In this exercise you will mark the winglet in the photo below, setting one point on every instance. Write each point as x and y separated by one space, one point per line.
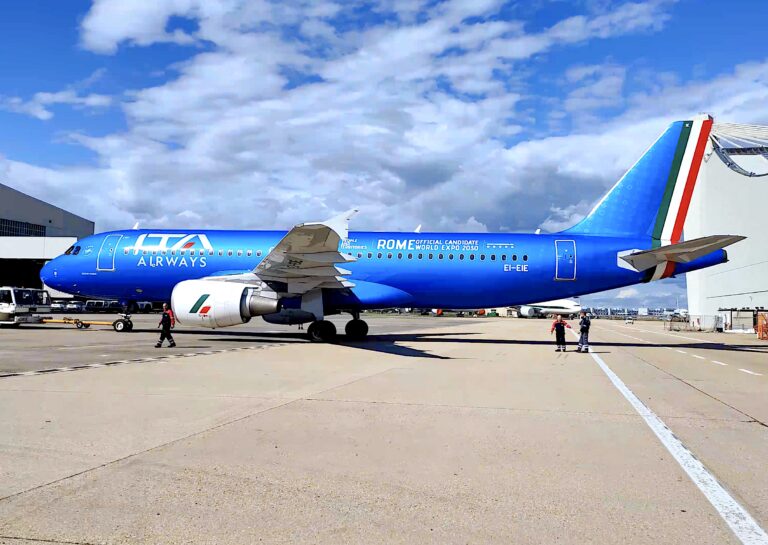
339 224
135 226
418 229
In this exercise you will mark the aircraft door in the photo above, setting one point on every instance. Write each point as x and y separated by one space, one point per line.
565 264
106 259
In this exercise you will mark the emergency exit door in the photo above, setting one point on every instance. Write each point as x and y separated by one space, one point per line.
565 264
106 259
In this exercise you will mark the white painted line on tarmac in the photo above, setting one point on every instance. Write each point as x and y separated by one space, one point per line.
698 357
738 519
681 351
719 362
750 372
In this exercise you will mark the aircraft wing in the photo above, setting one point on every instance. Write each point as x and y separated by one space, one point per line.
682 252
306 257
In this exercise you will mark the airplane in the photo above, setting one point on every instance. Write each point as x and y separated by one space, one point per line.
217 278
566 307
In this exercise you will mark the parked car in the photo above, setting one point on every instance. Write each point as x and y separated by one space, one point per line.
74 306
113 306
58 306
629 320
94 305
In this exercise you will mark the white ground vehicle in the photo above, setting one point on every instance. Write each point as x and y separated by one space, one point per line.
22 305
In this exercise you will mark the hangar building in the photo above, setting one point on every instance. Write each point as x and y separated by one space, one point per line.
31 233
730 199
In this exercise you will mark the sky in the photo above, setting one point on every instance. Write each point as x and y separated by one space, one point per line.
465 115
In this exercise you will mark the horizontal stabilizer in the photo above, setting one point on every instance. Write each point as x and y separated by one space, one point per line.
683 252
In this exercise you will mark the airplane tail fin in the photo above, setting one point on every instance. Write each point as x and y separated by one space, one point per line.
653 197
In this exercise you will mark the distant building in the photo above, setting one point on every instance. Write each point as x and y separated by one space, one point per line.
31 233
729 202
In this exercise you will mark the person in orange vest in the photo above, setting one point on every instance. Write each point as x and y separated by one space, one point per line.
167 322
558 326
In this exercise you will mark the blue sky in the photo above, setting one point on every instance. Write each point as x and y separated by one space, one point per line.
458 114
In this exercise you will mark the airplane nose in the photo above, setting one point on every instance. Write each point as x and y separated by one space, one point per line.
49 274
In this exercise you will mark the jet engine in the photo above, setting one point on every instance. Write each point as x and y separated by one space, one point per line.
214 303
527 312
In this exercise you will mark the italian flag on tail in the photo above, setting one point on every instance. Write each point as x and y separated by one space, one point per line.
678 192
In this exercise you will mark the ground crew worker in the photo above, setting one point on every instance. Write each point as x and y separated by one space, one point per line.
584 325
558 326
167 322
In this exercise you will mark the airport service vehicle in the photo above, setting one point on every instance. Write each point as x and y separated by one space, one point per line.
22 305
224 278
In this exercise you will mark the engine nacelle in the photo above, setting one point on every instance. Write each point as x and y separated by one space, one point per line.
214 303
527 312
289 316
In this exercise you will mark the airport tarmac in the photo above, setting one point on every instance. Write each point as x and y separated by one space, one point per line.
435 431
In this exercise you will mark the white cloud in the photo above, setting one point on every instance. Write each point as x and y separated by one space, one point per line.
39 105
627 293
385 126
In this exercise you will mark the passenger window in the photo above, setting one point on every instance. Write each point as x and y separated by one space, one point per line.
258 253
173 252
450 256
421 256
461 257
229 253
389 256
503 257
210 252
410 256
135 252
221 252
125 252
359 255
399 256
525 257
471 257
431 256
370 255
379 255
182 252
493 257
239 253
164 252
482 257
144 252
514 257
154 252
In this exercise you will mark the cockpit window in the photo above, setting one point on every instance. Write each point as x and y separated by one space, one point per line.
69 250
76 250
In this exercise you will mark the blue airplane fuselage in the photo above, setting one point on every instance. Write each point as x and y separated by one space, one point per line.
391 269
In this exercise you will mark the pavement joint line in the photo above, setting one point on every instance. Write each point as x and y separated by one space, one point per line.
738 519
184 438
121 362
44 540
690 385
750 372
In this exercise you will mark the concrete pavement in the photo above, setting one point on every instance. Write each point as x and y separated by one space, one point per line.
473 431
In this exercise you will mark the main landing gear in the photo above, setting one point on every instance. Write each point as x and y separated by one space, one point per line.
324 331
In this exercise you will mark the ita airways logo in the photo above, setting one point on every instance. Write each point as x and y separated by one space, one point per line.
200 307
172 241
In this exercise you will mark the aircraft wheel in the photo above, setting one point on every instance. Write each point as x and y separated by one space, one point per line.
356 330
322 331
